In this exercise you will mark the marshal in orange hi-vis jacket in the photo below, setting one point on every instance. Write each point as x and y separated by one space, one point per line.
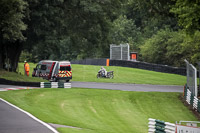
26 68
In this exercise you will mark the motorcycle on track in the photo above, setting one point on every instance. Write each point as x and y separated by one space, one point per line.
109 75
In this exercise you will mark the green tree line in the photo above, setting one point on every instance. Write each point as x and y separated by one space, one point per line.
164 32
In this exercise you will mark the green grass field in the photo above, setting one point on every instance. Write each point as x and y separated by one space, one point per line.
87 73
126 75
19 77
100 111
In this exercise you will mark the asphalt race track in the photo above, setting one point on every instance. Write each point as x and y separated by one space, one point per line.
13 120
129 87
111 86
13 87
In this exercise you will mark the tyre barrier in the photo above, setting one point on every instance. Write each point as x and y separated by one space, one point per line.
157 126
54 85
192 100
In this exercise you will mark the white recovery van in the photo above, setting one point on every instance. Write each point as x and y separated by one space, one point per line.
53 70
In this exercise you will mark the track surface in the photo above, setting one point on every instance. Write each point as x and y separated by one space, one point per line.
111 86
12 87
14 121
129 87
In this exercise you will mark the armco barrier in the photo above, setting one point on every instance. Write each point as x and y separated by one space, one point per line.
100 62
149 66
54 85
157 126
133 64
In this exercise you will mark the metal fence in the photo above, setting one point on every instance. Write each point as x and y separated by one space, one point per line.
119 52
191 78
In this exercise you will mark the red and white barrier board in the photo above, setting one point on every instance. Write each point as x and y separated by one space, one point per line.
187 129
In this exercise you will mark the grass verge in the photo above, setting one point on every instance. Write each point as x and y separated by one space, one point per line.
87 73
19 77
100 111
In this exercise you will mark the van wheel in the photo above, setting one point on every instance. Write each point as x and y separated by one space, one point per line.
54 79
39 74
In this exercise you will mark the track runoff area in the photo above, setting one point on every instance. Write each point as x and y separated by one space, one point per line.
159 126
23 121
191 97
191 92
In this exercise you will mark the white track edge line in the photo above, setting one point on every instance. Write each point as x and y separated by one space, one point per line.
30 115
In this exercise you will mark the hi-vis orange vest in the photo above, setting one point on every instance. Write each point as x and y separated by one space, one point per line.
27 67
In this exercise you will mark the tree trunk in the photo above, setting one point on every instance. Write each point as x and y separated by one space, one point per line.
13 52
2 56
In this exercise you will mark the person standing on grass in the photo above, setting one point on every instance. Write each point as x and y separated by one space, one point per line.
26 68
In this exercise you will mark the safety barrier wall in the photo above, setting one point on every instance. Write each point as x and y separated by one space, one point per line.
149 66
20 83
100 62
55 85
133 64
192 100
157 126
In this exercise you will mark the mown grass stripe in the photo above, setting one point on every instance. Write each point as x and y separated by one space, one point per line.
100 111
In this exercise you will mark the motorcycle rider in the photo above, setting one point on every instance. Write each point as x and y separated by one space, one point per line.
103 71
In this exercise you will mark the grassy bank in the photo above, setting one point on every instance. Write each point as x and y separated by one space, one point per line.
18 77
87 73
100 111
126 75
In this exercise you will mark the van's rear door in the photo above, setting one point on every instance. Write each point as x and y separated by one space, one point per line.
65 69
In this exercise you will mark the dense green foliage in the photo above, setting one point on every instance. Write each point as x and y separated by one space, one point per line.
100 111
77 29
12 13
165 47
125 31
188 12
71 29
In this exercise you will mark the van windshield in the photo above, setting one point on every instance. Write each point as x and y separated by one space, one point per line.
65 68
41 67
